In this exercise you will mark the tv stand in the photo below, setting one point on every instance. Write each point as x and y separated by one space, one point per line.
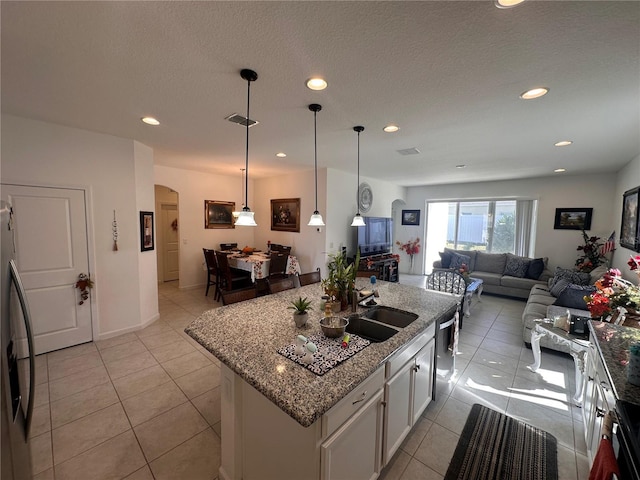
383 266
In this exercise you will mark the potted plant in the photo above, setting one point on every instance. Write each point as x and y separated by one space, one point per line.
301 306
340 283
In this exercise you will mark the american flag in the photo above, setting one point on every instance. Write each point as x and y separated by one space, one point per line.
609 245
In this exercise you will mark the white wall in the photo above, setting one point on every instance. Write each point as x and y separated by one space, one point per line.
628 178
111 169
193 189
562 191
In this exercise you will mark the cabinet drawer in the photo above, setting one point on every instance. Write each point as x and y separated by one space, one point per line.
395 363
350 404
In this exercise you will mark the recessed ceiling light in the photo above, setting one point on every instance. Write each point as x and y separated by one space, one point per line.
391 128
316 83
563 143
150 121
507 3
462 165
281 154
534 93
560 170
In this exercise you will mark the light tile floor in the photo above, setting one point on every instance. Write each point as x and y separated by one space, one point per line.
146 405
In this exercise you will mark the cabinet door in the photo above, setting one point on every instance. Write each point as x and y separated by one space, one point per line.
423 379
353 451
398 417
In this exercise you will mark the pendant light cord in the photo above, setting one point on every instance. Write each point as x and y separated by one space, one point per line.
246 160
315 154
358 185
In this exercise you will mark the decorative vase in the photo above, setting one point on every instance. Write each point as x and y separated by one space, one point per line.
410 263
300 319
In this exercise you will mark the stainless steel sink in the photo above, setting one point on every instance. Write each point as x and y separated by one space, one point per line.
390 316
371 330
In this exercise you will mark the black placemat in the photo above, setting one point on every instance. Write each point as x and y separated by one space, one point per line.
330 352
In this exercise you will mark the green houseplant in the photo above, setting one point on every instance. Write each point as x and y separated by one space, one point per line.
340 283
301 307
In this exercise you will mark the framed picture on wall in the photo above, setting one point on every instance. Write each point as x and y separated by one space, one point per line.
285 214
146 231
410 217
573 219
630 226
218 214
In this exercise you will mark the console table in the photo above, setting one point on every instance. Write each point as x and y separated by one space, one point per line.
578 349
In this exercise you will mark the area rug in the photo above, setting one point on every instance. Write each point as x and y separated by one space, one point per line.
494 446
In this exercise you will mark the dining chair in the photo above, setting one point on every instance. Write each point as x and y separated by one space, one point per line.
281 248
309 278
230 279
213 277
450 281
279 285
278 265
228 246
240 295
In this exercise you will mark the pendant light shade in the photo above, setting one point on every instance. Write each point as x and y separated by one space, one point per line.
245 217
358 221
316 218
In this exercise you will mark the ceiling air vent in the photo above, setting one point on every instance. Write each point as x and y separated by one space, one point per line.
409 151
241 120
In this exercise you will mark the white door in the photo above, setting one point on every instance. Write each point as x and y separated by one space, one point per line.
170 242
50 234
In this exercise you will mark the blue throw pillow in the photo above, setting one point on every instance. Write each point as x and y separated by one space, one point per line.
516 266
445 259
457 260
573 296
536 267
557 288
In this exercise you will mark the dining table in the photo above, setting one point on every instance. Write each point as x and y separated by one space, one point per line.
257 264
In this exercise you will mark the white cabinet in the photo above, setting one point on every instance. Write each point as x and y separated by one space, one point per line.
407 394
353 451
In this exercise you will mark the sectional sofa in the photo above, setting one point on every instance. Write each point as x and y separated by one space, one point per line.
502 273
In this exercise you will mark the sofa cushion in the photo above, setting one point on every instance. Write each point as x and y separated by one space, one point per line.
597 273
487 277
578 278
445 259
558 287
516 266
470 253
573 296
517 282
491 262
457 260
535 269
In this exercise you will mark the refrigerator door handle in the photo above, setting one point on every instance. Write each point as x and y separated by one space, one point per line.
32 358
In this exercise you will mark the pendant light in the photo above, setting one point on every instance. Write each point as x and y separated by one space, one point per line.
316 218
245 217
358 221
236 214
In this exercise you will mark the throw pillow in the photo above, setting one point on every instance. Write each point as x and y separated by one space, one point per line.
573 296
457 260
597 273
516 266
536 267
579 278
558 287
445 259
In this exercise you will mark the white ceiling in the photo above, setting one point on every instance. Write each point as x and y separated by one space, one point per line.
449 73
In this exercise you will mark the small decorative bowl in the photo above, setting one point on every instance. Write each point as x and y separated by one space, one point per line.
333 327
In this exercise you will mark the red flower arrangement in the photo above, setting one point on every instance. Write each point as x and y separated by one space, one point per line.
613 292
412 247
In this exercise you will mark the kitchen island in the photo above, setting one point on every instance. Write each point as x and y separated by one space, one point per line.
271 404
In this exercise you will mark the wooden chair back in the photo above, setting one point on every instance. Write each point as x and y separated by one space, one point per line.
309 278
281 284
228 246
275 247
278 264
235 296
212 270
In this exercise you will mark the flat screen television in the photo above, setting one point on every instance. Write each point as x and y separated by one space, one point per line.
376 237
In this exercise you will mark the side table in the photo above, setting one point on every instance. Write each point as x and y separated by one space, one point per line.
474 285
578 349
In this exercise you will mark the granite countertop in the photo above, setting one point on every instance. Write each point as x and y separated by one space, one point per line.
612 341
246 336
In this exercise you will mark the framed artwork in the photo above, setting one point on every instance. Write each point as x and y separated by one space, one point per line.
146 231
573 219
630 226
285 214
410 217
218 214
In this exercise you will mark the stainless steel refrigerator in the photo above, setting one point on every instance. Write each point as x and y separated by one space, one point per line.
17 361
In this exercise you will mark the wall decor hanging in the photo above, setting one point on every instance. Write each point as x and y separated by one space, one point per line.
218 214
285 214
410 217
573 219
146 231
630 226
114 229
